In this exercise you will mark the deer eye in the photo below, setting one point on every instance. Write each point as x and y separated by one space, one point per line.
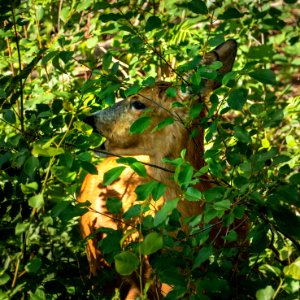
137 104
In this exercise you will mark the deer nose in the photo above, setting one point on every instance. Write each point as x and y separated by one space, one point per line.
90 120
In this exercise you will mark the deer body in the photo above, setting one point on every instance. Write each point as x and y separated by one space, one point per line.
150 147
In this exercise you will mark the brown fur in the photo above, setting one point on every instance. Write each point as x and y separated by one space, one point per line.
150 147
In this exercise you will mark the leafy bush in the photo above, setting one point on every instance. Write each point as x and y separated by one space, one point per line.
59 60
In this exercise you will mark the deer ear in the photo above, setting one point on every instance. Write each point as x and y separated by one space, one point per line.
224 53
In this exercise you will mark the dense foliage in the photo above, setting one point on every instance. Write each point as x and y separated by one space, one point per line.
61 59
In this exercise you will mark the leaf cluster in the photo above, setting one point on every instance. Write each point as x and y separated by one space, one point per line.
61 61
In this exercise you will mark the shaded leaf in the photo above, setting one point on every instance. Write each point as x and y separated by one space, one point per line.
114 205
164 212
222 205
237 99
193 194
4 278
202 256
162 124
30 166
126 263
34 265
264 76
152 243
231 13
140 125
198 7
152 23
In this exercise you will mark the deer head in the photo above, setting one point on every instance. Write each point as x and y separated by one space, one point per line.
114 122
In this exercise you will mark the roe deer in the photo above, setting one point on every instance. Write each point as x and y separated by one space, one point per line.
149 147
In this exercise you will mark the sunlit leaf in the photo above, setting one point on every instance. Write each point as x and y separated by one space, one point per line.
265 294
36 201
112 175
293 270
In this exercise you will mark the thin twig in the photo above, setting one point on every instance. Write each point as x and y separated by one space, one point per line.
145 163
21 114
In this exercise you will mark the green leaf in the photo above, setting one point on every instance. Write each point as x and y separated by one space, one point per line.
228 77
36 201
114 205
162 124
171 92
184 174
265 294
10 117
49 56
215 193
164 212
139 168
30 165
34 265
152 23
132 212
231 236
39 294
63 174
202 256
126 263
287 221
152 243
293 270
192 194
237 99
196 110
39 12
84 5
241 134
256 108
21 227
64 14
110 17
140 125
158 190
154 188
39 150
295 179
4 278
231 13
112 175
222 205
264 76
150 81
216 40
260 52
89 167
29 188
66 56
106 61
198 7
